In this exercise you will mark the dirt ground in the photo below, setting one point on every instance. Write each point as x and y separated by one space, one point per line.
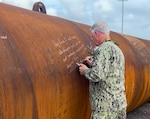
142 112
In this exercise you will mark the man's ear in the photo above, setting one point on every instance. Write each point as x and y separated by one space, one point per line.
96 33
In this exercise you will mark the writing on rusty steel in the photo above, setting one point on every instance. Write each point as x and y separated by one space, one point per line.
3 37
71 52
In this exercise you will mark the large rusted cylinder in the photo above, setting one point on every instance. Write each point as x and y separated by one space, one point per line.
38 72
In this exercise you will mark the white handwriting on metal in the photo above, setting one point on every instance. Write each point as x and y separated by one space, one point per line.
70 49
3 37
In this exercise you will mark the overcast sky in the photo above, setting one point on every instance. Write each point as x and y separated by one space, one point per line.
135 19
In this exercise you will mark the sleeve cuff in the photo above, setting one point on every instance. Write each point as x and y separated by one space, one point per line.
86 72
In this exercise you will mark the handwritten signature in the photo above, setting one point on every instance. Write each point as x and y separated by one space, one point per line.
3 37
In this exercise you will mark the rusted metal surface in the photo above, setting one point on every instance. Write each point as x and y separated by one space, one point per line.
38 72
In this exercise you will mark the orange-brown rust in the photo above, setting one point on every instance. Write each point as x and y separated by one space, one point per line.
39 77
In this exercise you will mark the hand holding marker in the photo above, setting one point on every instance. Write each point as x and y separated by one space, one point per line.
87 61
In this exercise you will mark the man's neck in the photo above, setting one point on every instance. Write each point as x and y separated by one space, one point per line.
105 37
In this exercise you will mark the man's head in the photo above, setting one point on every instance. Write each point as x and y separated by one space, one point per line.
100 26
100 32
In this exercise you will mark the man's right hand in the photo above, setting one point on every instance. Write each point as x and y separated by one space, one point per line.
82 68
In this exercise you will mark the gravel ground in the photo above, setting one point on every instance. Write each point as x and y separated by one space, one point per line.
142 112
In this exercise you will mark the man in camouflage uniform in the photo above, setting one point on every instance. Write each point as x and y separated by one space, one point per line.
105 75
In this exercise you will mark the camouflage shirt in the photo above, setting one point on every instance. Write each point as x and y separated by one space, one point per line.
106 78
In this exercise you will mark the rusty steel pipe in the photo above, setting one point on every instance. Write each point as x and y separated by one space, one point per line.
38 72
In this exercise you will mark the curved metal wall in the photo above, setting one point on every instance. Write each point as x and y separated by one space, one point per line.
39 77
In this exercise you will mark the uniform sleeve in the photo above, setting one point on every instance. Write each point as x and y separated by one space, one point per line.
100 68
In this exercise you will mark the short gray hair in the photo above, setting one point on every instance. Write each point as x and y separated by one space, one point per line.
100 26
